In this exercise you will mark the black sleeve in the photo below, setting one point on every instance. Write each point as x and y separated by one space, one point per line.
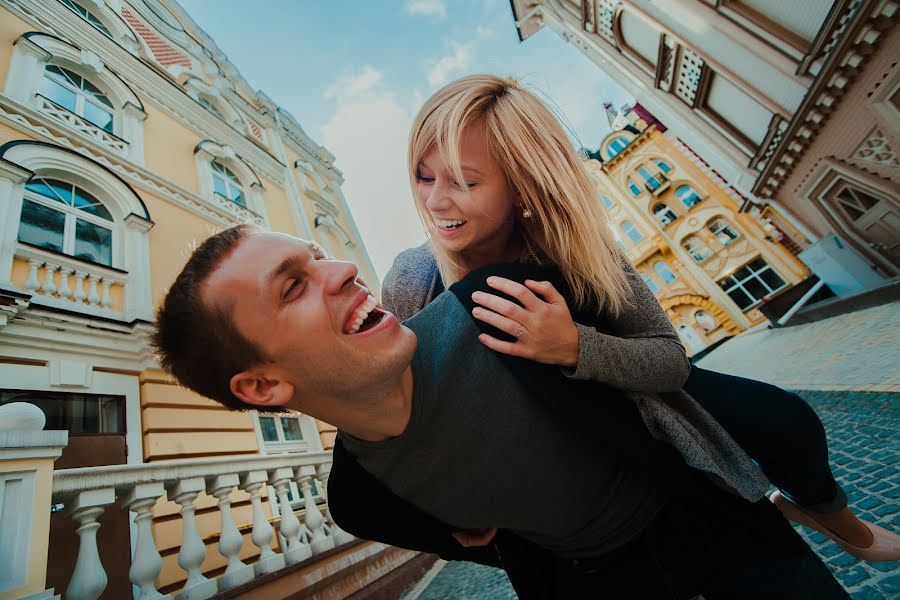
362 506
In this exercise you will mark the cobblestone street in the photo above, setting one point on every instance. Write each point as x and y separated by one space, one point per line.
862 420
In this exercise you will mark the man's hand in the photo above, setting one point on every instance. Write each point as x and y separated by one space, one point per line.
475 537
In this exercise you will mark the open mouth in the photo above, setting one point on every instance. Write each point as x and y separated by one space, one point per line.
449 225
367 316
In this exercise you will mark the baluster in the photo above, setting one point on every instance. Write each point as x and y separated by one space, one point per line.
49 286
64 290
290 524
79 295
193 550
105 299
230 539
314 521
337 534
147 563
93 297
88 579
263 532
32 284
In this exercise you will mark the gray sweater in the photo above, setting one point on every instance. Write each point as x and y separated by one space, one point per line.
643 357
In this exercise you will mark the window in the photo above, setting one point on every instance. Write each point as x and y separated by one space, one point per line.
210 107
665 168
76 413
664 214
855 202
652 181
722 231
78 95
607 202
616 146
697 249
751 283
665 273
88 16
633 187
650 283
687 195
64 218
631 231
281 434
227 185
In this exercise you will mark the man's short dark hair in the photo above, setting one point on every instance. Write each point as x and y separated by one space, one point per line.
199 344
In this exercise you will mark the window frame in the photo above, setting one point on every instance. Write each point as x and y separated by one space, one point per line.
87 16
230 181
81 97
698 259
739 284
633 228
697 196
726 225
665 279
657 211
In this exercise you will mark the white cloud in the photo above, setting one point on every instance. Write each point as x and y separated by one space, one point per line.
350 83
431 8
485 33
439 71
368 135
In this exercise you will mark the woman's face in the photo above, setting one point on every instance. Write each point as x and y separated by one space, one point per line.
480 220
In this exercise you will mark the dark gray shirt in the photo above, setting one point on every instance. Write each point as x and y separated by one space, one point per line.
481 450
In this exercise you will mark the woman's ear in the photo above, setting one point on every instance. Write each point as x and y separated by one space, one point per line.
261 389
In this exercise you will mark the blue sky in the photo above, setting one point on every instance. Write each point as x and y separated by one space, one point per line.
354 74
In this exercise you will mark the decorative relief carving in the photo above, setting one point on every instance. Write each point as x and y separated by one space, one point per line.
876 149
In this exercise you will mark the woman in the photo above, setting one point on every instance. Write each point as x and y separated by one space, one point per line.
497 180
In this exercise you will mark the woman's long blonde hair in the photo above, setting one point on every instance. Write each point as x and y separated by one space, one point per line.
568 224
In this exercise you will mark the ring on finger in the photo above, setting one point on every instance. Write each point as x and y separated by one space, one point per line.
519 331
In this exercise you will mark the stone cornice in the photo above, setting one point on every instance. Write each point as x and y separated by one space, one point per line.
841 67
43 128
164 92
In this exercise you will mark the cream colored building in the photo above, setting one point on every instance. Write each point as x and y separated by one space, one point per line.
795 103
709 264
125 137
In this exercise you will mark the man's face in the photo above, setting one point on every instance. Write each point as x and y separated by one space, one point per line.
310 315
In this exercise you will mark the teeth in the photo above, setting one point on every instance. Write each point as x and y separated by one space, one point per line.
445 224
362 312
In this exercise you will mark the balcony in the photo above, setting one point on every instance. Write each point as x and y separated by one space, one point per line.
657 184
101 136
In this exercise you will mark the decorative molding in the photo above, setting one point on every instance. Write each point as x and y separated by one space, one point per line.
876 149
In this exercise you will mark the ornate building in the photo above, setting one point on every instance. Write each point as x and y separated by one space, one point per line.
794 103
125 137
709 264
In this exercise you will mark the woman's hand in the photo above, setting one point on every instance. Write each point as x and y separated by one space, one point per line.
544 327
475 537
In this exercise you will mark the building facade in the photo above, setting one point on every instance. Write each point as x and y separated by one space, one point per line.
126 136
794 103
710 265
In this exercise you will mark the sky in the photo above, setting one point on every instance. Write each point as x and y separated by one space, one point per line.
354 73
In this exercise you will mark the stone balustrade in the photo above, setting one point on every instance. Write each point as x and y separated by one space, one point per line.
87 492
60 277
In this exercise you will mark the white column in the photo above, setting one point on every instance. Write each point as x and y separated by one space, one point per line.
314 521
133 131
263 533
26 69
193 550
230 539
147 563
49 286
337 534
12 185
138 296
290 525
89 578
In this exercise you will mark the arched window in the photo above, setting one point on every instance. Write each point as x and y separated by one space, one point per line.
664 214
633 187
78 95
697 249
687 195
210 107
631 231
64 218
653 182
607 202
722 231
665 168
88 16
616 146
227 184
665 273
650 283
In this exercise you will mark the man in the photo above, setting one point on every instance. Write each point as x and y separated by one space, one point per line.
442 441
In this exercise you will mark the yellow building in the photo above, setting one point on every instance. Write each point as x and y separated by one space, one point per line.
125 137
709 264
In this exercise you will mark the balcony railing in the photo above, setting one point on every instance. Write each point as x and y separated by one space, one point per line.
87 492
656 184
81 125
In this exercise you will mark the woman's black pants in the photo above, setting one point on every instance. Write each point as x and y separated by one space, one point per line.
779 431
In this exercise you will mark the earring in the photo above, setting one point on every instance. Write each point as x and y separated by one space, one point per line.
526 214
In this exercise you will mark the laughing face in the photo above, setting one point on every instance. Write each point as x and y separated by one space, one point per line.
321 328
473 217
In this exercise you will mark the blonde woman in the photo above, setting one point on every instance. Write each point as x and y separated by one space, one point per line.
496 179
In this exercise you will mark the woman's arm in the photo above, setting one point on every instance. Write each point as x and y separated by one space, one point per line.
641 352
409 284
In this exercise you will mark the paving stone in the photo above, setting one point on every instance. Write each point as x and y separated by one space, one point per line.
868 593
